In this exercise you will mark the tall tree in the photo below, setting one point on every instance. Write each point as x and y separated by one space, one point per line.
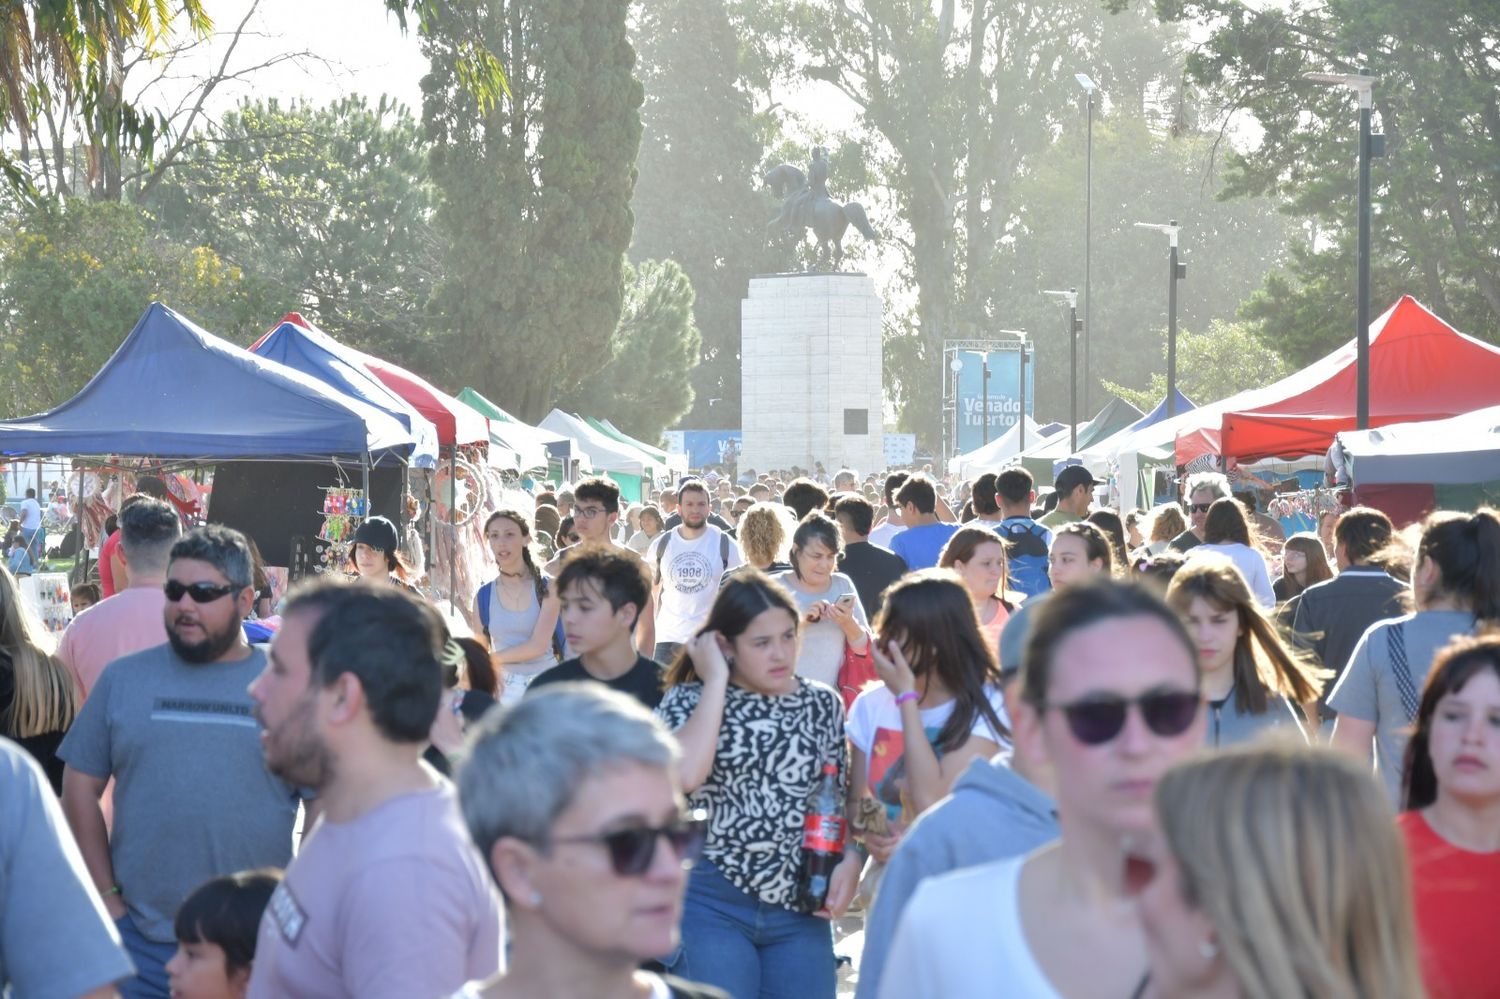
1437 218
325 209
536 212
697 200
644 385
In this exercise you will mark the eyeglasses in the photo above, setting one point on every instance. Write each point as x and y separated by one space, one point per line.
632 850
1096 720
202 593
1199 507
587 512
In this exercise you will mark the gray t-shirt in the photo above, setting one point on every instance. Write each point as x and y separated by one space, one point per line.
193 798
822 653
1368 690
1229 726
55 939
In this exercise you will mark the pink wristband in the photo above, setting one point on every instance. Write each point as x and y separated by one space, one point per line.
910 695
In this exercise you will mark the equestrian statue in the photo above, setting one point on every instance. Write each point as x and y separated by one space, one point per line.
805 204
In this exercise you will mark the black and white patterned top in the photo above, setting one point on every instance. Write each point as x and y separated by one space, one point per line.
771 752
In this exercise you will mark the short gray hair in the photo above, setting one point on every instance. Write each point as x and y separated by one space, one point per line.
1215 482
524 763
222 547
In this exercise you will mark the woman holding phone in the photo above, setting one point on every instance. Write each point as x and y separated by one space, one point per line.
832 616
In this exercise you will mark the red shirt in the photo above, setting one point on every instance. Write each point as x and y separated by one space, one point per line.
1456 895
106 571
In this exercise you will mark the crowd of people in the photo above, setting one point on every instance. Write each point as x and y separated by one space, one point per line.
1213 759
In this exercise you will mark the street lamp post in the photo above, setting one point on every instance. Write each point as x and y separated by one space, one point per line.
1369 146
1175 272
984 361
1071 297
1022 446
1088 234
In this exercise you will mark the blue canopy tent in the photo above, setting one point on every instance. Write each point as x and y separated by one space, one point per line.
173 390
318 355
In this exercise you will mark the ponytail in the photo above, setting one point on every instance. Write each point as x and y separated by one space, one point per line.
1466 552
1485 526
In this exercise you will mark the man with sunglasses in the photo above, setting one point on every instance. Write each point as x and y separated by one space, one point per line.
387 896
1202 489
172 726
1109 700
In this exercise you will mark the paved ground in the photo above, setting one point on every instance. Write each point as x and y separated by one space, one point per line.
848 941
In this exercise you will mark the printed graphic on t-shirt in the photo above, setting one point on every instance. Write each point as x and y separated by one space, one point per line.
888 768
202 712
290 919
692 573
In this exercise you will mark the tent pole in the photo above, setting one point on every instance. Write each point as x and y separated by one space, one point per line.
453 528
364 468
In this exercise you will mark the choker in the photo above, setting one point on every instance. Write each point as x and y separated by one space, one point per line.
512 575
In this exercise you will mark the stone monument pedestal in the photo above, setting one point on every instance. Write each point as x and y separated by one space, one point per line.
811 373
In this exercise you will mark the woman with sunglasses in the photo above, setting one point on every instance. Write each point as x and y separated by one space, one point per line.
1451 821
1251 679
572 796
755 738
1277 873
977 554
1109 700
1456 586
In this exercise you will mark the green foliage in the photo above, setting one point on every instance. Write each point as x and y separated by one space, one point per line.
326 210
1437 99
1213 365
697 200
535 218
645 387
75 278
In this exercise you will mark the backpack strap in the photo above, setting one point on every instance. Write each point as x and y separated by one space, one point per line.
482 599
723 551
1395 645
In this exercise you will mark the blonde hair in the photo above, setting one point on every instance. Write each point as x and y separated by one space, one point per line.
763 533
46 696
1291 853
1166 523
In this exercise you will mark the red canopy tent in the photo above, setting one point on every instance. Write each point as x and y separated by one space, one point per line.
1420 369
455 422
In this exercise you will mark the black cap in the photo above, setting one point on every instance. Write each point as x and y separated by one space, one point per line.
1072 477
377 532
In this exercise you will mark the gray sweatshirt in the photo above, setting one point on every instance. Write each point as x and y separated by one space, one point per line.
993 813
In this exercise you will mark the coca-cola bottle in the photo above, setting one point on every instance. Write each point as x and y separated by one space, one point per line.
823 833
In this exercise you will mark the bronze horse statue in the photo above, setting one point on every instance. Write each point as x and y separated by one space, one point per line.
807 205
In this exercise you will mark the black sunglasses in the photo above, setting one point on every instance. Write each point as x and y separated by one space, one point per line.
631 850
202 593
1096 720
1199 507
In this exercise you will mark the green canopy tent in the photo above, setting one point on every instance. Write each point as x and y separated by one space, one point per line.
1040 460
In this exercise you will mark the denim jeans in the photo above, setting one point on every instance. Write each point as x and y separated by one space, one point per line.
150 959
748 948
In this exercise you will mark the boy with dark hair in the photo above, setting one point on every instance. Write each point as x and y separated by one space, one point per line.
925 535
1026 542
870 566
804 496
604 591
884 533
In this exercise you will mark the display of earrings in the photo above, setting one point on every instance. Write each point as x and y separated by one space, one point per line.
343 511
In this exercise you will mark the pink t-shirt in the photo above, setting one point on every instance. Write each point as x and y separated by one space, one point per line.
396 903
130 621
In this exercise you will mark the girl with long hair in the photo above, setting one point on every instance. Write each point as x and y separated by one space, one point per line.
38 697
1277 874
1251 678
938 708
1303 564
834 618
1456 587
1451 820
756 738
1114 529
517 609
1227 532
977 554
375 554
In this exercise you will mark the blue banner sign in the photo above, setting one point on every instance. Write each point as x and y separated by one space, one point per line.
1004 395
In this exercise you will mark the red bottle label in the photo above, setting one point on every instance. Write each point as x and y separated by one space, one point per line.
823 833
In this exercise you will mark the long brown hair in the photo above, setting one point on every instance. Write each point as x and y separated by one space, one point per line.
527 559
1318 569
1466 550
1227 522
965 542
1264 665
1455 665
45 695
930 614
742 599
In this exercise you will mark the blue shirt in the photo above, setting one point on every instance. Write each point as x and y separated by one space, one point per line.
920 546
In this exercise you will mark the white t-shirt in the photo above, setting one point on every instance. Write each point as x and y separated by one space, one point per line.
961 935
690 573
874 728
1252 566
31 514
883 534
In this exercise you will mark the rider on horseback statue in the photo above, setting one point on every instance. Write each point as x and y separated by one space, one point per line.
807 205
